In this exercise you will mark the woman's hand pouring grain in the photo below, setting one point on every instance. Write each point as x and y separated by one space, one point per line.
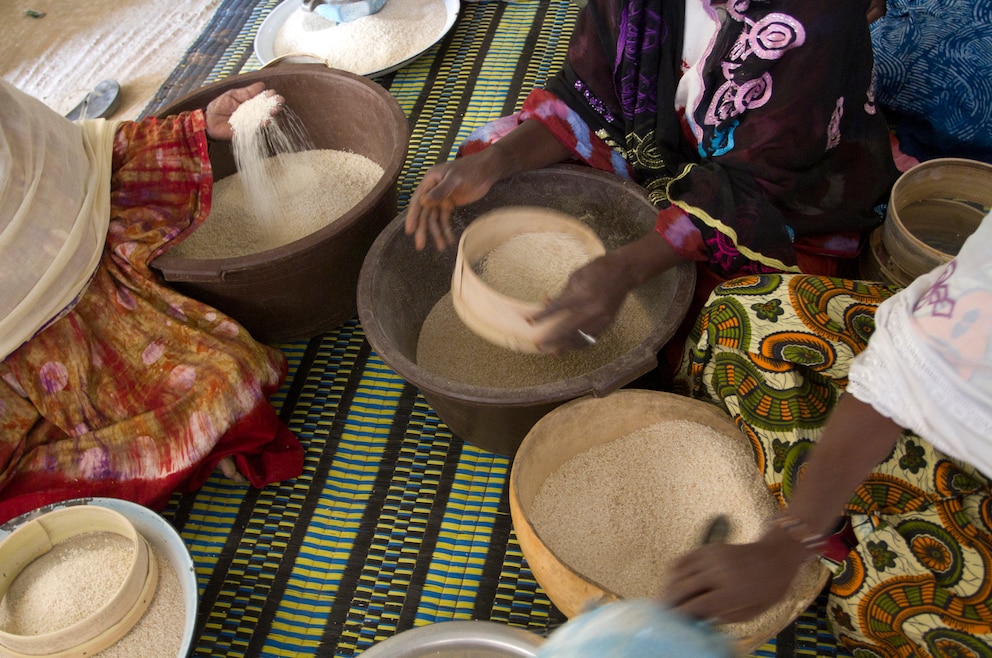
220 109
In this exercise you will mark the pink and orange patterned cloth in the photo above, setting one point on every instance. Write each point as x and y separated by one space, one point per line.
138 391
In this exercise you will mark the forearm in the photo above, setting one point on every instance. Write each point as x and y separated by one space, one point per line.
529 146
855 440
641 260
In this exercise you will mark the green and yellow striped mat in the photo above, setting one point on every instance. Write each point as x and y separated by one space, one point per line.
394 523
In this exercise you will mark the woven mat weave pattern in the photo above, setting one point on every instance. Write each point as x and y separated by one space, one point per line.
394 523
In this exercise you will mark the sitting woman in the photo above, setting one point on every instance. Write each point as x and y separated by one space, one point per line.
751 125
112 384
890 482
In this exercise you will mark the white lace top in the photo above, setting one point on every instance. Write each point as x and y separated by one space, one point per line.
929 365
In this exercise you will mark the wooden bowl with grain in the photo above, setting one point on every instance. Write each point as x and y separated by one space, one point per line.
606 493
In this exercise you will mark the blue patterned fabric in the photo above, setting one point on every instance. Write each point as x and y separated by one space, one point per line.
933 63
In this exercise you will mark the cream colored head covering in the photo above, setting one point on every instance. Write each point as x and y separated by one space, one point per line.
54 211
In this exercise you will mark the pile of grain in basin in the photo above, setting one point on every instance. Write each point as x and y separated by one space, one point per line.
530 267
399 31
78 576
622 512
284 188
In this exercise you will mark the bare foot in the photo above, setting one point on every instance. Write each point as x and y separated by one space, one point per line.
230 471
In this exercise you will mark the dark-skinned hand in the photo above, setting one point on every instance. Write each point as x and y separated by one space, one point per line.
588 303
595 292
444 187
876 9
734 582
220 109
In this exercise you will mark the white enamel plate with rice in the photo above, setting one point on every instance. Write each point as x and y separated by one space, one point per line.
291 34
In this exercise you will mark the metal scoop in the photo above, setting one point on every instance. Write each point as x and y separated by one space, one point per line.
343 11
717 530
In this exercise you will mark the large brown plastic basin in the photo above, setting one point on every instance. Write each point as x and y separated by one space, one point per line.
306 287
398 286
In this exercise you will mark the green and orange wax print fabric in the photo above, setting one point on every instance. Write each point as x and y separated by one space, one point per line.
774 350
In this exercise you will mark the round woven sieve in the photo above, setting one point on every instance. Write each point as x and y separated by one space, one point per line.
591 422
499 318
107 624
933 208
877 265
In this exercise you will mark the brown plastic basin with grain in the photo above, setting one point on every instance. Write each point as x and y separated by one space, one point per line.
398 286
306 287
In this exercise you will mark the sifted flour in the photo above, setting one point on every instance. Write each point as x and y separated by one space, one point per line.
62 586
447 347
159 632
533 267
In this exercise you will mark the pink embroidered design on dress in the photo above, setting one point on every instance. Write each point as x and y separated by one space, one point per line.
870 103
768 38
937 296
833 130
